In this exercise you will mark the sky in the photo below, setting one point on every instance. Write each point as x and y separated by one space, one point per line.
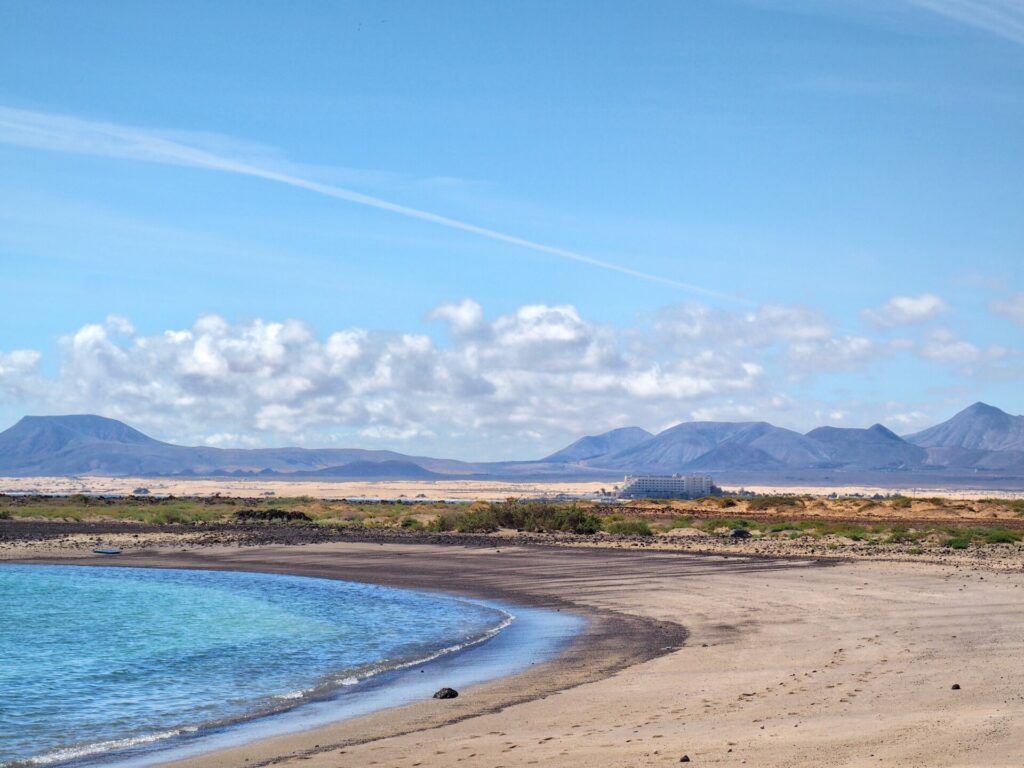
482 230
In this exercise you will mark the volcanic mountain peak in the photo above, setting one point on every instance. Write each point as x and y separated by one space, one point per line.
978 427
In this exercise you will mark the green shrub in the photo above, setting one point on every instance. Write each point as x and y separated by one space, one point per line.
717 501
476 521
985 535
629 528
996 535
679 522
541 516
958 542
578 521
726 522
532 516
1002 536
166 517
442 524
411 524
902 535
759 503
901 502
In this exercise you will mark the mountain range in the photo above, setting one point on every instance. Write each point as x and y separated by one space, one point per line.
980 445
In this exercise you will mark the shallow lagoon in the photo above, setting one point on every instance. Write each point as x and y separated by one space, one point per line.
97 662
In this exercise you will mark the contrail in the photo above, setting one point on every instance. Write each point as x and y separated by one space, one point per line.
1004 18
63 133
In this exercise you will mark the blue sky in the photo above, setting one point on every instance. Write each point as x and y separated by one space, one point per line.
824 207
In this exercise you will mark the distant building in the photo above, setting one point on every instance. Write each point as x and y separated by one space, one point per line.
666 487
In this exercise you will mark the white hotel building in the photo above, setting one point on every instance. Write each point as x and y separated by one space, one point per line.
666 486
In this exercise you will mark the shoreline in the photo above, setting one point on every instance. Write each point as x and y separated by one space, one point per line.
594 650
782 663
477 662
385 684
74 541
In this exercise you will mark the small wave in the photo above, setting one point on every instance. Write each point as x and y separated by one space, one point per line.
379 669
68 754
355 677
275 704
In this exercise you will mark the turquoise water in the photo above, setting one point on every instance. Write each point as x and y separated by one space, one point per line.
99 660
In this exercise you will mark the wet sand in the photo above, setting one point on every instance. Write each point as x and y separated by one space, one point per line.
727 660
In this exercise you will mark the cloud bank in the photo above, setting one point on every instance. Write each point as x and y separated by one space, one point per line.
505 386
537 370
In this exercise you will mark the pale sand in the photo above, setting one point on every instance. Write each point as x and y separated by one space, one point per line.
918 491
463 490
786 663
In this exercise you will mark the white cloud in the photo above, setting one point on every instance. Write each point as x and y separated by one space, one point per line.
19 362
944 346
19 375
952 351
909 421
907 310
834 354
538 371
804 338
765 326
494 387
464 319
119 324
1011 308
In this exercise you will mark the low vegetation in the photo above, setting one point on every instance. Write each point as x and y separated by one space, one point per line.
1016 505
761 503
629 528
520 515
918 523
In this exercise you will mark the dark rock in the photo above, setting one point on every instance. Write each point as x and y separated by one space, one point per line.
956 686
446 693
739 533
684 759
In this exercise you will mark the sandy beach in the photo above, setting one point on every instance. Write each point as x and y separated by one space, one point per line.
724 660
